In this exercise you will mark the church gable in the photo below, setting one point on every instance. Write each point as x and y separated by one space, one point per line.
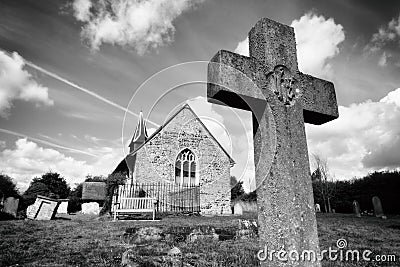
184 130
184 139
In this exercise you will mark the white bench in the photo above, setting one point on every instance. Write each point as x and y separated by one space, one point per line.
129 205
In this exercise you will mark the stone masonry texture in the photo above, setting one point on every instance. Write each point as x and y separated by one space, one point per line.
155 160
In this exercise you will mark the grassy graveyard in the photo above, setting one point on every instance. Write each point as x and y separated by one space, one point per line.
88 241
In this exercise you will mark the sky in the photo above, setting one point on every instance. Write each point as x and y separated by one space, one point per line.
75 74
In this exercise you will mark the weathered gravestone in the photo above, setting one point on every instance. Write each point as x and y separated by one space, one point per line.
238 209
44 208
378 210
11 206
356 209
317 207
93 196
91 208
281 100
63 207
93 191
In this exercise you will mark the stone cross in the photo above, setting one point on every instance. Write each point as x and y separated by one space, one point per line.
356 209
378 210
281 99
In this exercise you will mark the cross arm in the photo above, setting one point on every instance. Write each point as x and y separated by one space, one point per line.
235 80
319 100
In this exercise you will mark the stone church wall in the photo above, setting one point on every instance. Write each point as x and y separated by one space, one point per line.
156 160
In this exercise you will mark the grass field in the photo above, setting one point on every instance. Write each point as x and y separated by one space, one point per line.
84 241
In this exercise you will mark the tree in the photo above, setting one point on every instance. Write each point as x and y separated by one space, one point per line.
90 178
112 183
237 190
56 184
250 197
7 187
50 184
75 197
29 196
322 182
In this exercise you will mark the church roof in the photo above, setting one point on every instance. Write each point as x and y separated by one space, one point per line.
171 118
141 128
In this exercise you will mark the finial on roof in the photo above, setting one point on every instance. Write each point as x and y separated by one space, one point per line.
140 135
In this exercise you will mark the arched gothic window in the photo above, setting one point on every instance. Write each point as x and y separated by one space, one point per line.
185 168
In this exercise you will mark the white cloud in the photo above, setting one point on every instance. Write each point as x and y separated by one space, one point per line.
243 47
387 38
383 60
385 34
364 138
82 9
28 160
317 42
143 25
17 83
244 169
109 159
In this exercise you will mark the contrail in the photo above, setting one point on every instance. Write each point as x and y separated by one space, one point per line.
80 88
47 143
105 100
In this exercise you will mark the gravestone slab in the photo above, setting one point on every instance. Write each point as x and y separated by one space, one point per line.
238 209
356 209
10 206
378 210
63 207
93 191
91 208
281 99
317 208
44 208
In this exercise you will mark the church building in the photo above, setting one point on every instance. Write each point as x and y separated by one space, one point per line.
182 152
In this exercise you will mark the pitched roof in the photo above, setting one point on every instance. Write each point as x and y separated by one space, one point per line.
170 119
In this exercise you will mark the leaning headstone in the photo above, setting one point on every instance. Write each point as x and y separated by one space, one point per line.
44 208
268 83
91 208
93 191
356 209
10 206
317 208
378 210
63 207
238 209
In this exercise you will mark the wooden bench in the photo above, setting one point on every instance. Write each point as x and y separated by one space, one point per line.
130 205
